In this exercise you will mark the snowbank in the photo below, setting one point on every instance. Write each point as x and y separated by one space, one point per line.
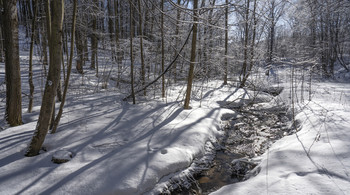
316 160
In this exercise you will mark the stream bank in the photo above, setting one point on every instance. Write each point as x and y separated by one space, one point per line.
258 121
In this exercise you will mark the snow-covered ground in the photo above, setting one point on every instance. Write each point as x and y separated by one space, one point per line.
315 160
120 148
117 147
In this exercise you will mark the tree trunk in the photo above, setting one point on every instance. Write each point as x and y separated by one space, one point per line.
312 4
226 43
94 41
1 44
59 86
252 46
131 53
243 77
143 74
66 82
30 74
248 69
162 37
9 17
122 22
119 54
79 43
48 19
193 56
111 27
272 33
48 101
208 44
177 39
44 39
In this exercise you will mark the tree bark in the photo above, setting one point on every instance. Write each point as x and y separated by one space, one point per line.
48 19
131 53
162 37
177 39
30 72
119 53
44 39
272 33
208 42
66 82
226 43
94 41
143 74
79 43
48 101
111 27
243 74
9 17
1 43
252 46
193 56
122 21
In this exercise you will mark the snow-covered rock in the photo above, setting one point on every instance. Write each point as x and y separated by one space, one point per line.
62 156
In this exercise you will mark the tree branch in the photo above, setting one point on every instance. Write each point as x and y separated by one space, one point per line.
165 71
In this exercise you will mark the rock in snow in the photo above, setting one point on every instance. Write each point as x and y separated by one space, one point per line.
62 156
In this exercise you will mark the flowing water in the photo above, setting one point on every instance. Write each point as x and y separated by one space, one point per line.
249 133
219 174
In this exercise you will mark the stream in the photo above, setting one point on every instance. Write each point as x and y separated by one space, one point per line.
249 132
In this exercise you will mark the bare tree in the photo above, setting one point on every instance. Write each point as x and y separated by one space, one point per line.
131 52
1 43
143 73
162 43
30 72
177 39
9 21
226 44
244 72
94 40
119 53
276 10
193 55
48 101
66 83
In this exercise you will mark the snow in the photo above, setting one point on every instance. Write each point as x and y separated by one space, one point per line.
117 148
61 156
120 148
316 159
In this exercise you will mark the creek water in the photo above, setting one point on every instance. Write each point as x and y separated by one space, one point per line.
249 133
219 174
213 178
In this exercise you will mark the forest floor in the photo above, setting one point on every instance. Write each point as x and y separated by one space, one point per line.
119 148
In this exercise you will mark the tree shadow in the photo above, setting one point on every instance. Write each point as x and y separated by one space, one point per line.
136 146
122 150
